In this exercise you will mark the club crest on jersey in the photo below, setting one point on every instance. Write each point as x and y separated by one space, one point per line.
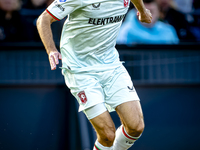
126 3
82 97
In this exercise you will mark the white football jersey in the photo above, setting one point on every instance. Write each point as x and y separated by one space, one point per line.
89 34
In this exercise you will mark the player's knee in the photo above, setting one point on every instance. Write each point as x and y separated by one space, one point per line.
136 129
108 135
140 127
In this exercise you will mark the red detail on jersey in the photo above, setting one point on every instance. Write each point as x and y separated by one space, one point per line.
127 135
52 15
82 97
126 3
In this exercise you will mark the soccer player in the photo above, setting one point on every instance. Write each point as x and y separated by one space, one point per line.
91 65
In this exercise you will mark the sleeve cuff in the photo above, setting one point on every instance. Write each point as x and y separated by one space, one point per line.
52 15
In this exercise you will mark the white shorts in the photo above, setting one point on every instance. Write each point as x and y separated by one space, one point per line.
112 87
95 110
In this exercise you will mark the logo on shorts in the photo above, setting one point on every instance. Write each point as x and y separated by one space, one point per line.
82 97
131 88
126 3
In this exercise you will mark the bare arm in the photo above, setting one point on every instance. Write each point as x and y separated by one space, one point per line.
143 13
44 28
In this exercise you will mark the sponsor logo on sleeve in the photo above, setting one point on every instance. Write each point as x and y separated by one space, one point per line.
62 0
59 6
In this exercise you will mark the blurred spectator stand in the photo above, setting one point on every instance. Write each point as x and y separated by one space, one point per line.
31 11
169 14
194 19
12 24
191 10
185 6
157 32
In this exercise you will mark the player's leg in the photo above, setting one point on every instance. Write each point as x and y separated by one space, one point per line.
105 130
86 89
122 96
89 93
131 117
103 125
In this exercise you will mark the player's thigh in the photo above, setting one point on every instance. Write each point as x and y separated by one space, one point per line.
104 126
131 116
119 89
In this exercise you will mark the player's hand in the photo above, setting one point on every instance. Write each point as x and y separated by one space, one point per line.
145 16
54 57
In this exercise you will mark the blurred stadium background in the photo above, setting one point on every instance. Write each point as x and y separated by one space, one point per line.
37 111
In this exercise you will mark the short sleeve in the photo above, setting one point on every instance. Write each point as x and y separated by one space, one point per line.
59 9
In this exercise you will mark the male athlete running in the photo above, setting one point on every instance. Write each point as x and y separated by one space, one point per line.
91 65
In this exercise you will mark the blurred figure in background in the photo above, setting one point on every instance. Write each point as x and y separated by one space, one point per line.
195 21
135 32
185 6
35 4
177 19
12 25
31 11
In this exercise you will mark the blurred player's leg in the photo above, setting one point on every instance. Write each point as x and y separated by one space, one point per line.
131 116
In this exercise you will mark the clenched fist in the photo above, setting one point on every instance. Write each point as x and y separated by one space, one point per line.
145 16
54 57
